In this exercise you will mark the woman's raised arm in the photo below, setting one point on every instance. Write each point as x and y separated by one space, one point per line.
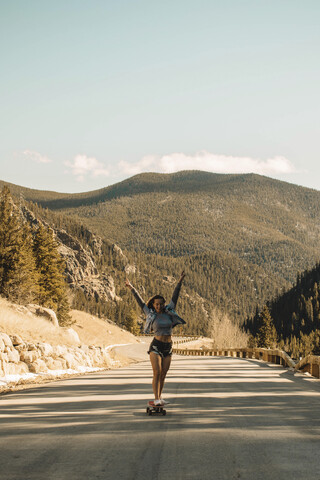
136 295
176 292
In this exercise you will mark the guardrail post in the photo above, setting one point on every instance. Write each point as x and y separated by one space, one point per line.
315 370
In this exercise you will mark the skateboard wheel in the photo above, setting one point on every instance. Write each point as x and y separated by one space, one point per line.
164 412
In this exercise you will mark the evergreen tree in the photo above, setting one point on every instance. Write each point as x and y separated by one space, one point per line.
24 285
267 335
131 322
9 240
18 276
52 286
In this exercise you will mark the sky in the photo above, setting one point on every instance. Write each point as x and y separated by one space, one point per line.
93 92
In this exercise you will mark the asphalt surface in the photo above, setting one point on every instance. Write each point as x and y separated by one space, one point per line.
228 419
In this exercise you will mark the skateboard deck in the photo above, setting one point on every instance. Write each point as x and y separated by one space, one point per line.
153 409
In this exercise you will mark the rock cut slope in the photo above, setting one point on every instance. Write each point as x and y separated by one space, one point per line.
33 349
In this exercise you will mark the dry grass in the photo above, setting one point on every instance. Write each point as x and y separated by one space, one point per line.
225 333
33 329
94 331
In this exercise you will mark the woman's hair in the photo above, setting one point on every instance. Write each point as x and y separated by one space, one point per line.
152 299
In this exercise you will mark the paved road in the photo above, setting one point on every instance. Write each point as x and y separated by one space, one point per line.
229 419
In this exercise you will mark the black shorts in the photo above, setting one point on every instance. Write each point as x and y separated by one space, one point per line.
164 349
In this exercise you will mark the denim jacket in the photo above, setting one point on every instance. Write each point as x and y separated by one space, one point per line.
168 309
151 316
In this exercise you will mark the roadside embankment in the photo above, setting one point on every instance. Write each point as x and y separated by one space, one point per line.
33 350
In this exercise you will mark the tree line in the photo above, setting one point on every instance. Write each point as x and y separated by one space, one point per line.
215 280
291 320
31 268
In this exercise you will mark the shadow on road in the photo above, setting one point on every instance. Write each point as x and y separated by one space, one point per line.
228 419
218 391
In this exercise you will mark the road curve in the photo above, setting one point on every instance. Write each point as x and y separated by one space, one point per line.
228 419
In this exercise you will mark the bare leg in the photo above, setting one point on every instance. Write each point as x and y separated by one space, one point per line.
166 361
156 363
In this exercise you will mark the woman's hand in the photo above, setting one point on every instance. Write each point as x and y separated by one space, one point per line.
128 284
182 276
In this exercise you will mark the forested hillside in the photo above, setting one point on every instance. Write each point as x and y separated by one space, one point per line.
296 315
213 280
262 221
31 269
241 239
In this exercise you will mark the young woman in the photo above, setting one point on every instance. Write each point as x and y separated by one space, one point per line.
160 320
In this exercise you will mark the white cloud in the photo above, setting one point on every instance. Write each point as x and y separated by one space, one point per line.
209 162
35 156
82 166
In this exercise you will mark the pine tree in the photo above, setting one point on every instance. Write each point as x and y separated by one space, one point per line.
52 286
267 335
9 240
24 284
131 323
18 276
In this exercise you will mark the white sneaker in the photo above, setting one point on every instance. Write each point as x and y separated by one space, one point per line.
164 402
158 403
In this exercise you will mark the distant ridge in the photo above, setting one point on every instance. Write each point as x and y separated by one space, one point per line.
188 181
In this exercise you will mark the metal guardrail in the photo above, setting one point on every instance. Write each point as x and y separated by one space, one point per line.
310 364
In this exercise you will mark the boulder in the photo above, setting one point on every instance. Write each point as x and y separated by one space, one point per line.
63 362
106 360
16 340
15 368
38 366
55 363
6 339
73 335
59 351
84 348
45 312
96 357
13 355
71 361
45 349
83 358
29 357
21 347
22 368
3 356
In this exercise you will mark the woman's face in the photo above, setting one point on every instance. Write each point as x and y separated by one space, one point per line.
158 305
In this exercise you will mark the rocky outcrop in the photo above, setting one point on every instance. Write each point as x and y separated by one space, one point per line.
18 357
81 271
79 262
80 268
44 312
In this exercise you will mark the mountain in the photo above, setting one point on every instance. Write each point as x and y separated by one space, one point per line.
214 282
266 222
242 238
185 181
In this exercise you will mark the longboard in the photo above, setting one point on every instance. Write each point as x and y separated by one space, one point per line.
153 409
